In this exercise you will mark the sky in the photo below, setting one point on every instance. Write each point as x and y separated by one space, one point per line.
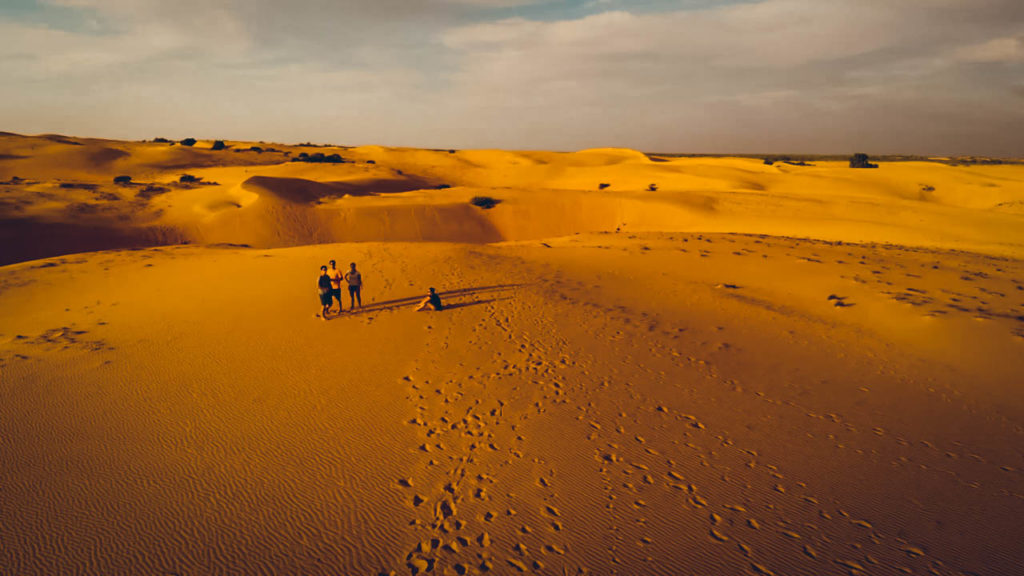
941 77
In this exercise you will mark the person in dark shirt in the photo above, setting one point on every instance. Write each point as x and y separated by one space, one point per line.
323 285
431 302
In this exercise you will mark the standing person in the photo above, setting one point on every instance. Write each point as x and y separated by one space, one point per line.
335 284
355 282
431 302
323 285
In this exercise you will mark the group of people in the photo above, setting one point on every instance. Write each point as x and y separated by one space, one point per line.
329 287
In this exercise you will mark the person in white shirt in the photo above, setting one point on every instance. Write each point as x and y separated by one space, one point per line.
355 283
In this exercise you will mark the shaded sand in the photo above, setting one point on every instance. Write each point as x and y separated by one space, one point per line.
639 402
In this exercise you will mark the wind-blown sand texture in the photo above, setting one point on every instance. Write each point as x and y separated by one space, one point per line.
790 370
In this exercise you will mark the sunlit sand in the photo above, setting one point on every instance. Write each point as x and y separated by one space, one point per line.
645 365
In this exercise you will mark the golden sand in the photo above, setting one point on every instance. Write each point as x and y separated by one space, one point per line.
751 370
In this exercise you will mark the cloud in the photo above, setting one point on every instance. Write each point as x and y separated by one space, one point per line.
496 3
841 72
682 75
995 50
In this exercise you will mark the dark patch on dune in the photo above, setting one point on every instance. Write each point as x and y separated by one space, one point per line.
12 156
301 191
60 139
107 155
25 239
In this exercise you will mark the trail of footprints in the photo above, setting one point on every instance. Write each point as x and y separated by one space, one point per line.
472 435
468 519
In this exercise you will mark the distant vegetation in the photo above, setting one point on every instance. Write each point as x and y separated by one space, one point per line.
67 185
319 158
771 160
188 181
652 187
443 186
485 202
162 141
122 180
149 191
603 185
188 142
860 160
218 145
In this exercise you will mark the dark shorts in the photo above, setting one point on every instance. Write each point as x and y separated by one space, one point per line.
325 297
336 293
353 290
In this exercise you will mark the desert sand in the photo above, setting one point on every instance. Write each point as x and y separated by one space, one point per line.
749 369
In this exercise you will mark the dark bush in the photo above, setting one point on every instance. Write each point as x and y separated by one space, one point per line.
162 141
861 161
371 161
188 142
603 185
319 158
443 186
652 187
122 180
218 145
78 186
189 179
769 162
149 191
485 202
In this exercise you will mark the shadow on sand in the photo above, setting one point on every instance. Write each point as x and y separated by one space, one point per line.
446 297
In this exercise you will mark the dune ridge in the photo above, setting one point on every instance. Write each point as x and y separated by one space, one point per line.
542 194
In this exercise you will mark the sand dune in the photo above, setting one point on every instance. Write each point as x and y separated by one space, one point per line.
751 370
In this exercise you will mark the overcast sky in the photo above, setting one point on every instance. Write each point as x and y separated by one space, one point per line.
741 76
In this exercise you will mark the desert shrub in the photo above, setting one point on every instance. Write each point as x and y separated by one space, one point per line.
162 141
149 191
77 185
769 162
485 202
122 180
451 151
371 161
319 158
927 188
218 145
443 186
652 187
603 185
861 161
189 179
188 142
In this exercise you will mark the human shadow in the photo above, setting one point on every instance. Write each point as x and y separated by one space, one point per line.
473 303
403 302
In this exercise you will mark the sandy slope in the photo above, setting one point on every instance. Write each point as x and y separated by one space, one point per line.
632 402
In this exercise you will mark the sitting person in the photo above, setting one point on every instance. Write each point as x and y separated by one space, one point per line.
431 302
